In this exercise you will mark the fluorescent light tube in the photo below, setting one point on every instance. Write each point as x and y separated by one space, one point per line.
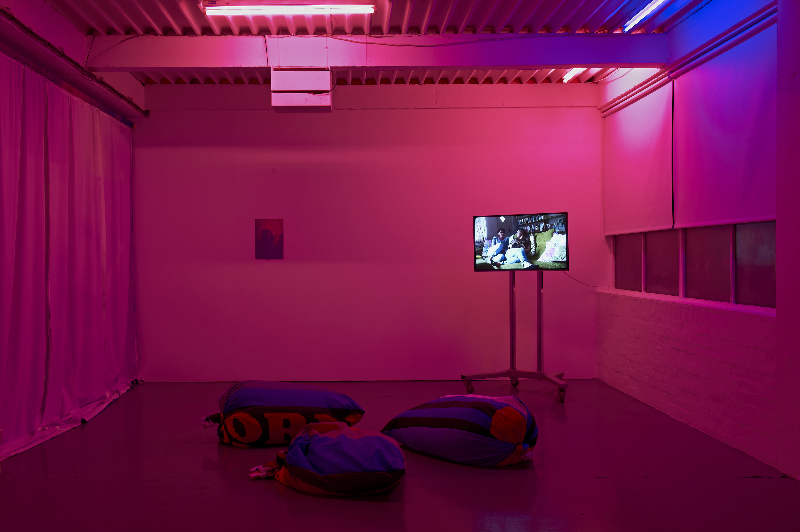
649 8
342 9
572 73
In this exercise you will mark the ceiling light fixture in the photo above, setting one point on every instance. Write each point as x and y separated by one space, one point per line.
572 73
233 8
638 17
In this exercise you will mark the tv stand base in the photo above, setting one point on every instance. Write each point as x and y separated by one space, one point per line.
515 375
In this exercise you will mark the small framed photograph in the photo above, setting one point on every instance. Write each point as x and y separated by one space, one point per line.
269 238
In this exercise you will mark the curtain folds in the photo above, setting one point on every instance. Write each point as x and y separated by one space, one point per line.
23 347
66 299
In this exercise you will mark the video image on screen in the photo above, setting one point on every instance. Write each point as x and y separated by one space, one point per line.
521 242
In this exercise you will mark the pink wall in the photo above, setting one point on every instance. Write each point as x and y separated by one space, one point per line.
788 238
711 366
377 282
622 81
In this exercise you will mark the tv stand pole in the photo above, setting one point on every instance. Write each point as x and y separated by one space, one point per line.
513 373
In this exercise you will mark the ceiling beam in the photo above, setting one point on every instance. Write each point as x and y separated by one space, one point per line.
507 51
394 52
115 53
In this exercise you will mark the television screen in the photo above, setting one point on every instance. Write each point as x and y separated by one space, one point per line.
521 242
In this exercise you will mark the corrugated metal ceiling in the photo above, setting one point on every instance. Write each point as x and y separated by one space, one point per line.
185 17
405 17
378 77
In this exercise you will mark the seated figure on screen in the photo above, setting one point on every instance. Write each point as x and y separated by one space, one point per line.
519 246
497 249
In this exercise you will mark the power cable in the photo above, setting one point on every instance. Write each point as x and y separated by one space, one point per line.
581 282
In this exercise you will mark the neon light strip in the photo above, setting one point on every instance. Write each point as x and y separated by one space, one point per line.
649 8
572 73
233 11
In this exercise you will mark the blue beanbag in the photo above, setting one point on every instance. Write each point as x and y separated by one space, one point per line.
469 429
259 413
335 459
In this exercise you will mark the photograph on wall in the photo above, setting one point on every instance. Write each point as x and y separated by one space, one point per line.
269 239
521 242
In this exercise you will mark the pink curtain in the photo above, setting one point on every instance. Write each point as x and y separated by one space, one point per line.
23 345
66 242
637 166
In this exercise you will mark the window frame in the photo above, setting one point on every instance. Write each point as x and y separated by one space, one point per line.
682 269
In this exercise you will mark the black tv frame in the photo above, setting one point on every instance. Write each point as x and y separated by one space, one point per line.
565 214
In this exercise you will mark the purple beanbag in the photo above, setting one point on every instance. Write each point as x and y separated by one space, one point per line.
469 429
336 459
259 413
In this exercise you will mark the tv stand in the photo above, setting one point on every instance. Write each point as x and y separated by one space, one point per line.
513 373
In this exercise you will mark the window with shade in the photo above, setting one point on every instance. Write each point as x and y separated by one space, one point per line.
728 263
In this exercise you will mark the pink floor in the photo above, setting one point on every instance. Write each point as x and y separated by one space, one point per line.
604 461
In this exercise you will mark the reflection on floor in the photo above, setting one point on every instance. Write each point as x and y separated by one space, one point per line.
604 461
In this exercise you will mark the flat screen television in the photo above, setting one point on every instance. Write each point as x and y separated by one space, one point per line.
521 242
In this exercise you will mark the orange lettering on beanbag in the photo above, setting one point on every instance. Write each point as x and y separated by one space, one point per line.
242 427
283 427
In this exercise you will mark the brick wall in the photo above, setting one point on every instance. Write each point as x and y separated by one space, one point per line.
711 368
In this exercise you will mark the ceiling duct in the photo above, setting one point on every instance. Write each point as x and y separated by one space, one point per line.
301 87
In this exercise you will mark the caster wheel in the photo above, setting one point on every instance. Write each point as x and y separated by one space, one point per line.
514 382
561 395
469 386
